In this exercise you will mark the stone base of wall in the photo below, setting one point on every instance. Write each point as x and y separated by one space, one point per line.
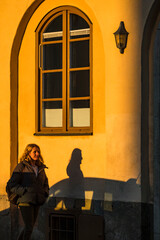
122 220
5 220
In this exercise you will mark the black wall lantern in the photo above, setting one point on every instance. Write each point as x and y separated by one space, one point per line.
121 36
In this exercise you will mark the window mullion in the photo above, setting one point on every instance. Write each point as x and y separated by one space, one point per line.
68 72
91 86
40 68
40 98
64 69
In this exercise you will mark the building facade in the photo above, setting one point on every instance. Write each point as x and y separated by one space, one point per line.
93 111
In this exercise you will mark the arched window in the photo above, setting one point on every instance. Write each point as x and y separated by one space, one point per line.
64 72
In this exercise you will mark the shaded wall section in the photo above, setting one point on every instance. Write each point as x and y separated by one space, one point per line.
118 202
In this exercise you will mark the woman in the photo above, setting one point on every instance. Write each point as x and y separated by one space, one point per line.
30 183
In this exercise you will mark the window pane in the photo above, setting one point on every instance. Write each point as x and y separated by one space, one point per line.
78 27
55 235
52 56
62 236
79 54
63 223
52 85
79 84
52 114
70 225
54 30
80 113
77 22
70 236
54 222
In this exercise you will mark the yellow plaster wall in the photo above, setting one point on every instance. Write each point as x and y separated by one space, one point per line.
11 13
113 152
114 149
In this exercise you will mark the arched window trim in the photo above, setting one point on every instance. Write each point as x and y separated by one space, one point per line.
65 129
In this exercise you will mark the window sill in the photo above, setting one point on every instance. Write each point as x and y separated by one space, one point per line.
62 134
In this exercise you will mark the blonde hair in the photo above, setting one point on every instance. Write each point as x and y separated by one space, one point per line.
25 156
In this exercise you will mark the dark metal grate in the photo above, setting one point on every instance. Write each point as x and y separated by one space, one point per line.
62 227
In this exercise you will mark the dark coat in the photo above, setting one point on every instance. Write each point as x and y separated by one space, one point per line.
30 188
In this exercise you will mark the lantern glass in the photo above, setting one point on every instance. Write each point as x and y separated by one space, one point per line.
121 40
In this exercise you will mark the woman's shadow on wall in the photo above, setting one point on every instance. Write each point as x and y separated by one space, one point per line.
70 191
76 196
